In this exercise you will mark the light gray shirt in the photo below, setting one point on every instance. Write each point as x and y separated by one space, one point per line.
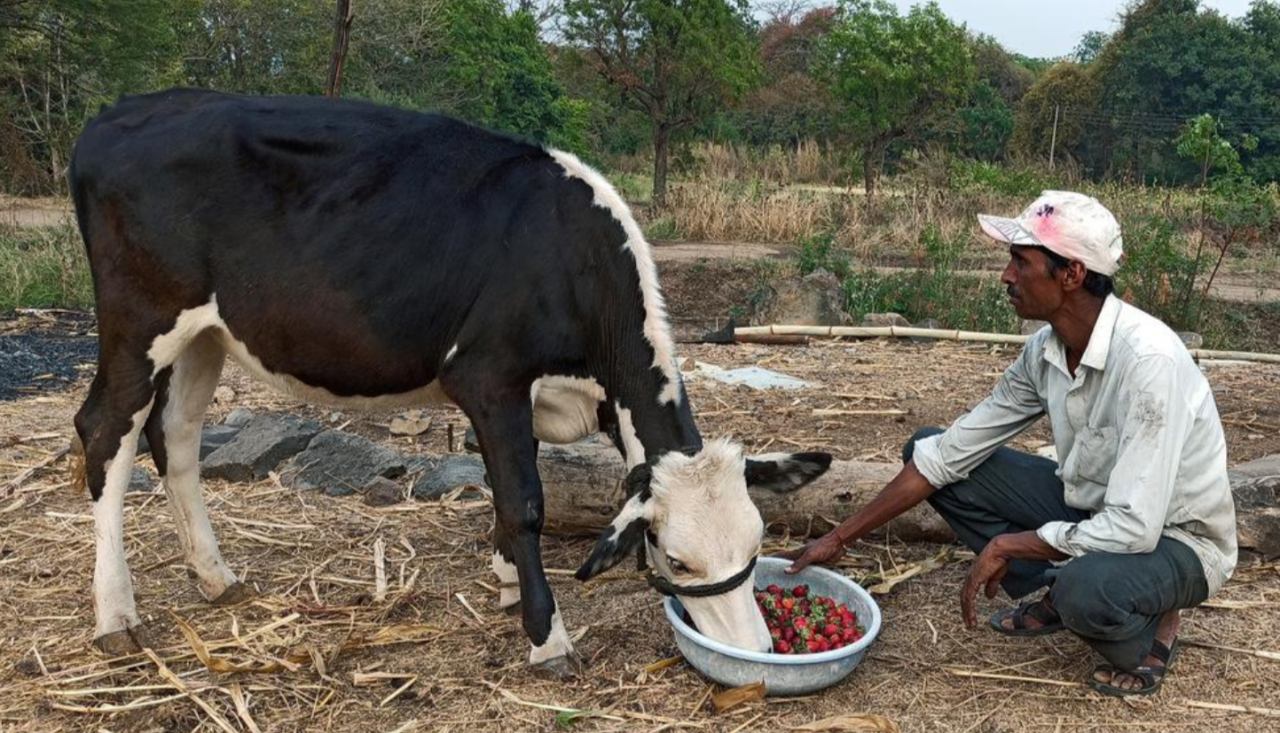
1139 442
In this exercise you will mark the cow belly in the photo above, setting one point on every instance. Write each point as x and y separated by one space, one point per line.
166 348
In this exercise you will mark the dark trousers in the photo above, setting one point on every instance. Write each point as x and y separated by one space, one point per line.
1112 601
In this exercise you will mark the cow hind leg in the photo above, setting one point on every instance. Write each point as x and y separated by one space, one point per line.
174 432
108 425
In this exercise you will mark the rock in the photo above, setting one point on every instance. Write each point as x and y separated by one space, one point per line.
931 323
382 492
1031 326
470 441
885 319
141 480
1258 514
1260 468
338 463
817 299
212 437
259 448
413 422
1192 339
449 473
239 417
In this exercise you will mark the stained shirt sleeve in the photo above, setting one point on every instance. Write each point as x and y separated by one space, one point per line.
1012 407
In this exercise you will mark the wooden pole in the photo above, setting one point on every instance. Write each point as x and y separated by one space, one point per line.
341 34
1053 142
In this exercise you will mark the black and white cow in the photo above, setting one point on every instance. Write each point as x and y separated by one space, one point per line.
368 256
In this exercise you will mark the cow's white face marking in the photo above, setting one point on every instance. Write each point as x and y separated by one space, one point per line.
556 645
564 408
656 329
508 581
631 445
708 531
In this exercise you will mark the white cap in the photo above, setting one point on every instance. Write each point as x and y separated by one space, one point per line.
1070 224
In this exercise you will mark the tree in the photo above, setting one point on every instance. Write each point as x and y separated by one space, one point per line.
789 105
1072 91
1089 47
676 61
892 74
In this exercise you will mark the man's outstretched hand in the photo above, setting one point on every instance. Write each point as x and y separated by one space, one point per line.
826 549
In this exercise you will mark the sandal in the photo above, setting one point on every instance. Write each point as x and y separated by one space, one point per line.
1050 621
1152 677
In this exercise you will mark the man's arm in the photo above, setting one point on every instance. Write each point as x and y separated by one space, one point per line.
906 490
992 564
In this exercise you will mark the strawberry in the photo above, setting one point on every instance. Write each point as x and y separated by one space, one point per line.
773 589
830 630
814 645
800 622
788 603
800 591
782 647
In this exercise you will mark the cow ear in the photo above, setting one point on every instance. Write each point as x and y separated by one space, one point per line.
785 472
621 537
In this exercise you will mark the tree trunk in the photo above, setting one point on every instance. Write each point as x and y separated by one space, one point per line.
341 35
661 152
870 169
582 490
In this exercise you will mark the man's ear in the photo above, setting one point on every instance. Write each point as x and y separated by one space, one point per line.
785 472
621 537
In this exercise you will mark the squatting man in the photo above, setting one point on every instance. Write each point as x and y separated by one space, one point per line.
1135 520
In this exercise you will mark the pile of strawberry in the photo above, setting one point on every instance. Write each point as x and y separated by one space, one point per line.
801 623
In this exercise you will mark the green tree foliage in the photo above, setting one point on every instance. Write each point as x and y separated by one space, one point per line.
892 74
59 61
1073 92
676 61
789 105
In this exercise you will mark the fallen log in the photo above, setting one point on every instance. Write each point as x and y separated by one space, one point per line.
582 487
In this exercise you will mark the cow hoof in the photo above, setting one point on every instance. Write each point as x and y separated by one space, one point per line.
234 595
560 668
121 643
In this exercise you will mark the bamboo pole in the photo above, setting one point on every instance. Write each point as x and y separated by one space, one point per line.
752 333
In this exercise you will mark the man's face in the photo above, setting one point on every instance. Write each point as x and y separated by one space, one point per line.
1034 291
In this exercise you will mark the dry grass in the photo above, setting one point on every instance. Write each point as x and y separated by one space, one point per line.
318 651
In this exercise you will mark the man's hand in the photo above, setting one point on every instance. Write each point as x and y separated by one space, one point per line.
823 550
988 570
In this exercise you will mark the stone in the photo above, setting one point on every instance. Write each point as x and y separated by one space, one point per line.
449 473
1192 339
238 417
259 448
1031 326
212 437
1258 514
141 480
339 463
880 320
1260 468
382 491
817 299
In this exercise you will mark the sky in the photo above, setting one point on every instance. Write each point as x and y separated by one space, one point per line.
1042 28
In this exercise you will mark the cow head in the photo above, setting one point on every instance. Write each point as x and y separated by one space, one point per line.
702 532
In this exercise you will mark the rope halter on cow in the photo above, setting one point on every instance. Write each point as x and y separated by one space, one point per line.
667 588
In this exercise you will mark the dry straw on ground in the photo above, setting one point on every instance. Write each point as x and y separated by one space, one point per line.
318 650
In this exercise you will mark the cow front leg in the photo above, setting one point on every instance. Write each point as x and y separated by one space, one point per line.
505 430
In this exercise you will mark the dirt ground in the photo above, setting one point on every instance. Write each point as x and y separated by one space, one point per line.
435 654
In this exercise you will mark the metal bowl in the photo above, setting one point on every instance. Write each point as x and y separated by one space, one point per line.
783 674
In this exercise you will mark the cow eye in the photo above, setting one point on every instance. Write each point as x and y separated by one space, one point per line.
676 565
